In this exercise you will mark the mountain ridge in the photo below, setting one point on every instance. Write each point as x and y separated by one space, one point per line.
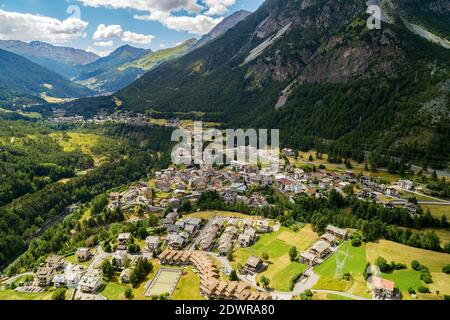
62 60
23 82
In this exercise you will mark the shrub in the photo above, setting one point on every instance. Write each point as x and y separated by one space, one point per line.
446 269
294 280
347 276
128 293
411 291
398 266
307 295
356 242
382 264
293 253
59 294
446 297
415 265
426 277
423 289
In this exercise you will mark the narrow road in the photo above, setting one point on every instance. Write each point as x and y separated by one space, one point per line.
306 283
98 258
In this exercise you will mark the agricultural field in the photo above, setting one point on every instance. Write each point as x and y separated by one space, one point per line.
409 278
277 244
400 253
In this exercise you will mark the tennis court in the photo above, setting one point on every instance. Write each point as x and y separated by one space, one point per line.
165 281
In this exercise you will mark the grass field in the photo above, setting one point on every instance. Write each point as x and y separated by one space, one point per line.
443 234
353 261
404 279
189 287
420 197
392 251
114 291
73 259
13 295
437 211
89 144
277 244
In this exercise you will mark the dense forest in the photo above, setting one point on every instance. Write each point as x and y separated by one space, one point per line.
33 203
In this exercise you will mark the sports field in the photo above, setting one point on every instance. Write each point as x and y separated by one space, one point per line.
165 281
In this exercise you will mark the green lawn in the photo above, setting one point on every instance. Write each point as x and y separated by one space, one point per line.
283 278
404 279
354 263
13 295
73 259
114 291
277 244
188 287
331 296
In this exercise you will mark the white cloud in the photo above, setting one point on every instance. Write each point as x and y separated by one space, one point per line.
129 36
199 24
108 32
29 27
218 7
104 44
101 53
193 16
115 31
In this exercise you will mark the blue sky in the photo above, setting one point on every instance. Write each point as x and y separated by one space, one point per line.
104 25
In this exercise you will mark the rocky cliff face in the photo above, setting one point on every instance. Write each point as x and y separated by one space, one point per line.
228 23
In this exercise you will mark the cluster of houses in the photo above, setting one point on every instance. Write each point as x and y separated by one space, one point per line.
138 195
224 233
55 270
323 247
181 232
126 117
211 286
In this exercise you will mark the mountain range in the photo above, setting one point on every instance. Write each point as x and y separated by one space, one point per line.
23 82
125 65
313 69
62 60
